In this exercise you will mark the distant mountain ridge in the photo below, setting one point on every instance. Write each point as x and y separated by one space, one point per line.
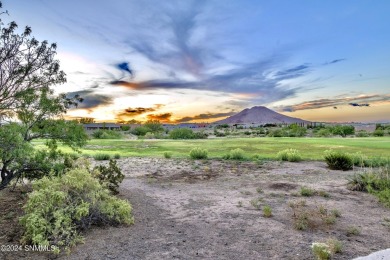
260 115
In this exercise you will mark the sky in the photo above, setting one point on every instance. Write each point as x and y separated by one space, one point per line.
201 61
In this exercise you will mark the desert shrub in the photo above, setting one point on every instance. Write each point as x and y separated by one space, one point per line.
338 160
323 132
374 181
291 155
154 126
305 217
378 133
106 134
149 135
102 156
59 208
294 130
200 135
267 211
362 133
181 133
352 231
237 154
125 127
117 156
167 155
321 251
247 132
361 160
198 153
109 176
276 133
256 203
325 251
307 192
140 130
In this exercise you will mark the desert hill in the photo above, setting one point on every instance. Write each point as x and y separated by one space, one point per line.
260 115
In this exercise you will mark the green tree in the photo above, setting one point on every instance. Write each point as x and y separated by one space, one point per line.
28 69
154 125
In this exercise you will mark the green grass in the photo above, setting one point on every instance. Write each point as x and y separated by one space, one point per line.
267 147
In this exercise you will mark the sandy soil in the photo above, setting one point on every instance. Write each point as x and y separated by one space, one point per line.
187 209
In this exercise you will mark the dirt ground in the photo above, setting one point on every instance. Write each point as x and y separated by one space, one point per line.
187 209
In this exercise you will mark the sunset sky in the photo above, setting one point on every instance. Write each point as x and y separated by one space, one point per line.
198 61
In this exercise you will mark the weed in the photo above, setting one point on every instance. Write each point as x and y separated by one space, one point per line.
102 157
307 192
338 160
198 153
259 190
352 231
267 211
336 213
167 155
239 204
256 203
291 155
321 251
117 156
325 251
237 154
323 194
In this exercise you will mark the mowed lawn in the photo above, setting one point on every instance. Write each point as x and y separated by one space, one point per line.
266 147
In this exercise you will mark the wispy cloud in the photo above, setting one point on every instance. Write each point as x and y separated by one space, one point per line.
203 117
352 101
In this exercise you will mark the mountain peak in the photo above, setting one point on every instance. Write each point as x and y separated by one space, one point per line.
259 115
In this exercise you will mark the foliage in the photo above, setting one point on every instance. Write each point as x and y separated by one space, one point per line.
85 120
267 211
378 133
198 153
376 182
324 132
106 134
352 231
307 192
102 156
362 133
237 154
291 155
305 217
125 127
28 70
140 130
154 126
167 155
361 160
342 130
60 207
338 160
117 156
185 133
321 251
110 176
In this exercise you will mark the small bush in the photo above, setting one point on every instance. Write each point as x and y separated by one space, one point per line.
102 157
198 153
324 251
167 155
338 160
237 154
352 231
267 211
321 251
117 156
110 176
307 192
106 134
362 133
256 203
378 133
59 208
291 155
